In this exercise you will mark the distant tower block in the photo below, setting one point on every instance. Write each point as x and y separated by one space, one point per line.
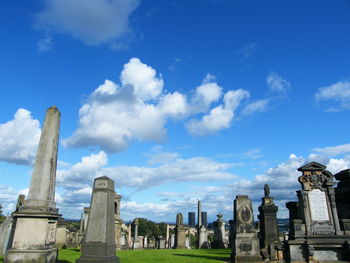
36 220
98 244
204 219
191 219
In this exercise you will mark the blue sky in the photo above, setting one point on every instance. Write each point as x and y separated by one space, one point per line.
175 100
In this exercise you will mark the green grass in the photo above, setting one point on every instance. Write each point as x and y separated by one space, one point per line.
158 256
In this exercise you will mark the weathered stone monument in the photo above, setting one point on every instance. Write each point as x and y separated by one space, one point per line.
136 242
98 244
5 233
118 221
36 220
245 242
342 197
315 234
219 233
269 234
201 230
61 234
180 232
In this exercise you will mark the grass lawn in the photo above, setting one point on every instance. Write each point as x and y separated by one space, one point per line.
158 256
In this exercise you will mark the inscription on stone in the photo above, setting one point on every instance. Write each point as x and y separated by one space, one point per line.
318 205
326 255
51 233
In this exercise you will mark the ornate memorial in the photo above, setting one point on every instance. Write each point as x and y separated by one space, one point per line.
180 232
245 242
315 233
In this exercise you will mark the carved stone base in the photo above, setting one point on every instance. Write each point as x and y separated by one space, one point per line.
37 256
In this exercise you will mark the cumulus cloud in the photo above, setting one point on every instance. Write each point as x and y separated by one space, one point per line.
219 117
197 169
256 106
333 150
19 138
277 83
92 21
139 108
336 95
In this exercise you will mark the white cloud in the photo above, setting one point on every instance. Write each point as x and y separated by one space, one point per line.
19 138
45 44
143 79
254 153
333 150
248 50
256 106
277 84
197 169
92 21
138 110
219 117
161 158
338 95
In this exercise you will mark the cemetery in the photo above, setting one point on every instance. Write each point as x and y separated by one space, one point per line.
319 223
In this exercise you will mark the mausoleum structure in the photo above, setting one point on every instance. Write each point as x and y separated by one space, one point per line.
315 233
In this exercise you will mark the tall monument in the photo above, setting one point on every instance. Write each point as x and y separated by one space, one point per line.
36 220
98 244
201 230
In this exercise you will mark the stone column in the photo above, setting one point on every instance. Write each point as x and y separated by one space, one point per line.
167 236
99 243
36 220
129 236
180 232
86 217
199 225
136 234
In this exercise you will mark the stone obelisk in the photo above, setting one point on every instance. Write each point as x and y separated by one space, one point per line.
36 220
98 244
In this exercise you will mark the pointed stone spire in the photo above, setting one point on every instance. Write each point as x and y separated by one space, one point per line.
199 214
41 194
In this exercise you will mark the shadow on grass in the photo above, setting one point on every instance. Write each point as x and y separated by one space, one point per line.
227 259
63 261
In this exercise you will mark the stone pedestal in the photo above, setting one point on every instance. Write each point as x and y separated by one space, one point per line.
245 241
61 234
219 233
98 244
180 232
269 234
36 220
203 237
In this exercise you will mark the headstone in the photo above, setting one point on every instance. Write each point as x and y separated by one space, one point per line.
342 197
172 240
245 242
219 233
145 242
167 236
98 244
187 243
180 232
36 220
315 233
61 234
5 232
162 244
269 234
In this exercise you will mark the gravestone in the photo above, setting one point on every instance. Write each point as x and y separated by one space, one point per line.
5 233
269 234
98 244
61 234
219 233
245 242
180 232
162 243
118 221
315 233
342 197
36 220
172 240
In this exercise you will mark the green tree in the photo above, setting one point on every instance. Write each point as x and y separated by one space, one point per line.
2 217
149 228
